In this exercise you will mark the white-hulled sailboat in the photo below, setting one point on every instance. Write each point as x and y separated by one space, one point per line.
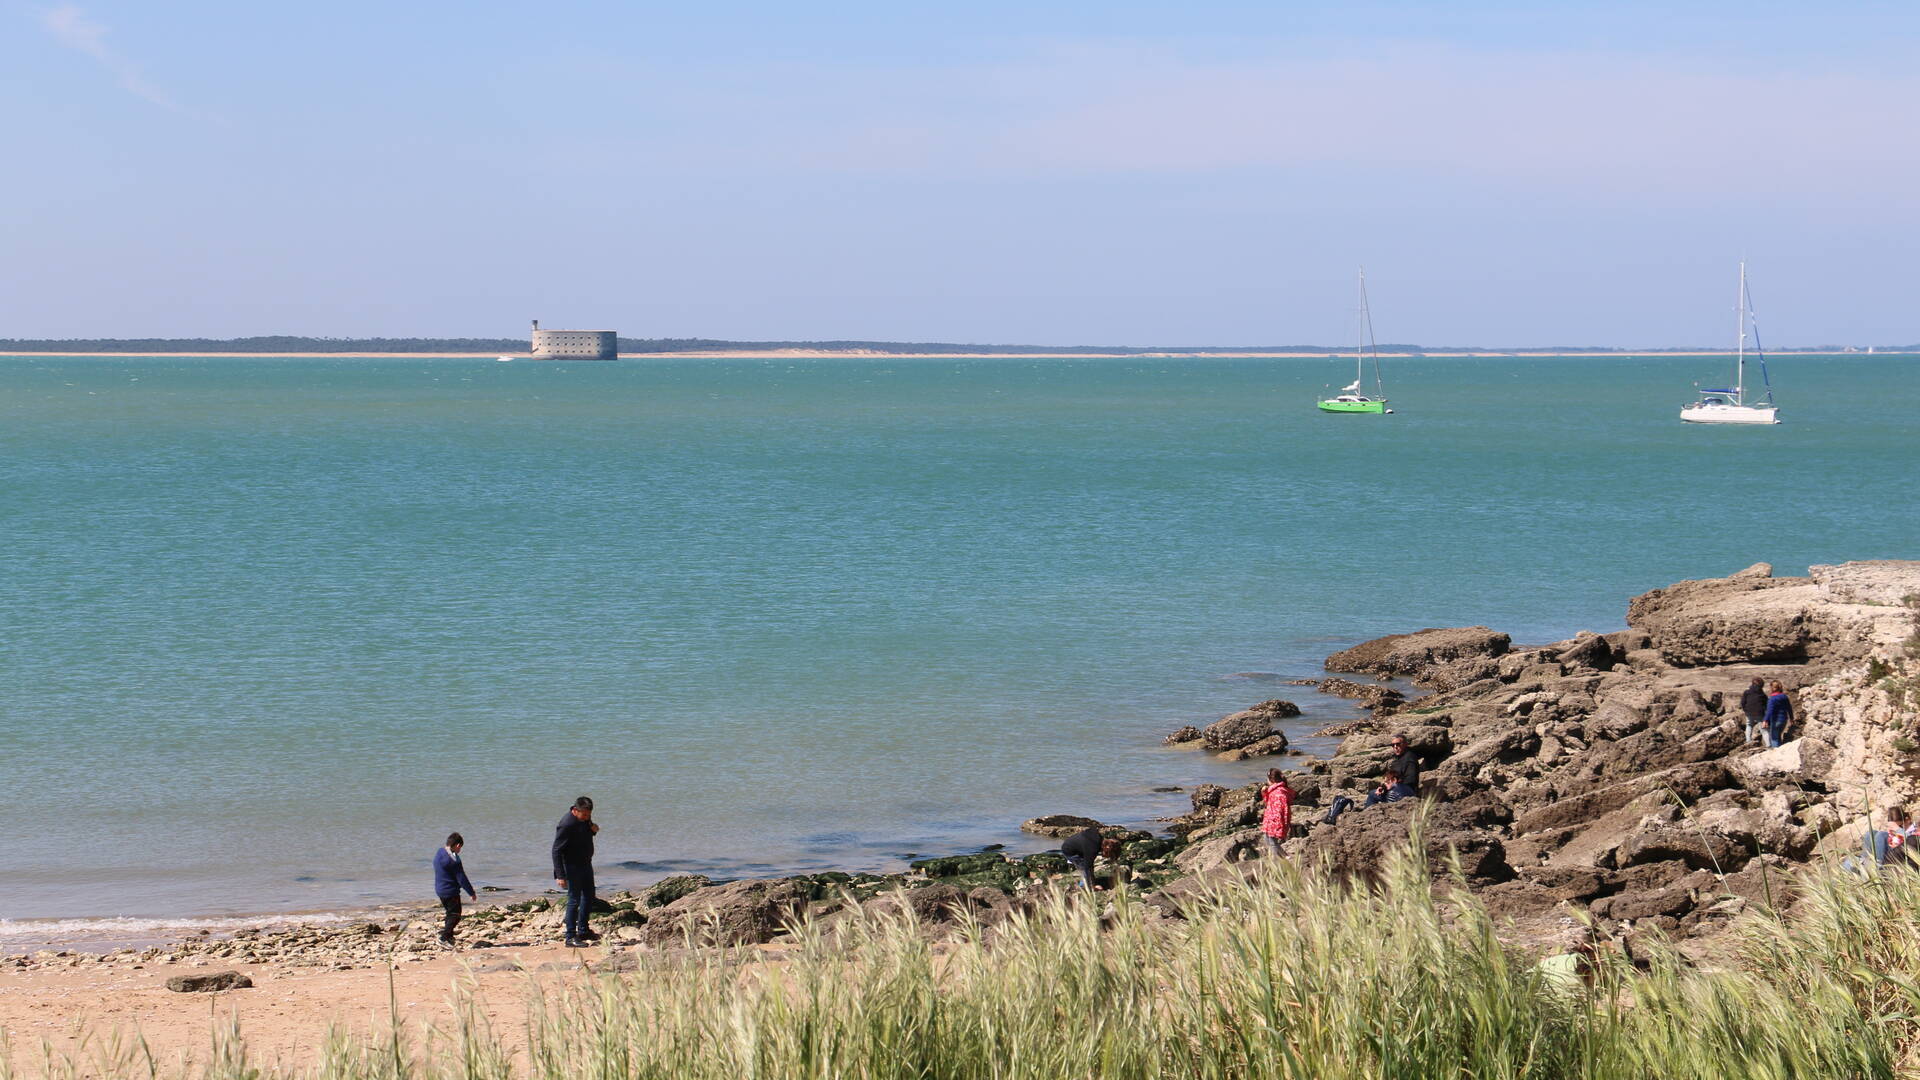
1729 405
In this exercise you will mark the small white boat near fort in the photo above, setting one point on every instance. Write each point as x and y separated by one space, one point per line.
1728 405
504 359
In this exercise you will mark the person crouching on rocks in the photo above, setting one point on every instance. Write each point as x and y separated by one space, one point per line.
1277 797
1082 848
1779 714
449 878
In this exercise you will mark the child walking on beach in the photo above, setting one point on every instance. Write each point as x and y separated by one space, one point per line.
449 879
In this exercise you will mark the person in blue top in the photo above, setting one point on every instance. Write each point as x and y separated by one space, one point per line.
449 879
573 868
1779 714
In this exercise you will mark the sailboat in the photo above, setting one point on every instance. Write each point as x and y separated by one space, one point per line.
1350 399
1728 405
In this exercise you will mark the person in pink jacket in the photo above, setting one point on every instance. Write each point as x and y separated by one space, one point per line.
1277 797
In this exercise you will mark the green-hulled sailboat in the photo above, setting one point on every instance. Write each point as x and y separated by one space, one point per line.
1350 399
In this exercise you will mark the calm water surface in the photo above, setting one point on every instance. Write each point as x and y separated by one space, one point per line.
271 628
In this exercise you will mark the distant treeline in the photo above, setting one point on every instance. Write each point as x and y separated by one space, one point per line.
642 346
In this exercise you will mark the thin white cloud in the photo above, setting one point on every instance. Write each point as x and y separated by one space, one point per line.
71 27
1662 128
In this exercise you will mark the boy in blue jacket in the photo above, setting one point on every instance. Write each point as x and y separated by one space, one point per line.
449 879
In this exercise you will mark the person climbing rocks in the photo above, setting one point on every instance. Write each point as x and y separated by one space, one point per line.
1779 714
1277 818
1753 702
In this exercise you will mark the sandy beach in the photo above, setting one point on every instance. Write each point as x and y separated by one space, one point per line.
286 1015
831 354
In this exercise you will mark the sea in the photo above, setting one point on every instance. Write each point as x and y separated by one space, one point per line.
270 629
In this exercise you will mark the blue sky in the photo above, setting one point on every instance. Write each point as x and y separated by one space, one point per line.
1066 173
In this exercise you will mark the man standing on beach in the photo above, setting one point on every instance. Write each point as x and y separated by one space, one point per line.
573 868
449 878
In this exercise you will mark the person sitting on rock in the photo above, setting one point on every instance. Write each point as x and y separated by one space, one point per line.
1901 832
1391 789
1779 715
1082 848
1405 763
1753 702
1893 845
1277 818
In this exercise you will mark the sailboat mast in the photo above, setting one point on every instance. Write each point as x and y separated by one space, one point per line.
1740 363
1360 330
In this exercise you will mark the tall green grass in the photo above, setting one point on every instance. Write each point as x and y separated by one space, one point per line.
1290 975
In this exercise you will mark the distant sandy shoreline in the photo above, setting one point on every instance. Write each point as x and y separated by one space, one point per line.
843 354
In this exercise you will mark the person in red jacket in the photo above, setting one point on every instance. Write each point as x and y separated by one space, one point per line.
1277 818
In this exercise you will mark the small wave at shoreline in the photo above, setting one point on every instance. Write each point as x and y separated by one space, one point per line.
112 932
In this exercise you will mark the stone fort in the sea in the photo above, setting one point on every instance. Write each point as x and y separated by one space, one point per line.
574 344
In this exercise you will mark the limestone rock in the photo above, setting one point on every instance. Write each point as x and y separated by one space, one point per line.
1234 847
1275 743
1728 620
1413 654
210 983
1247 726
737 913
1058 826
935 903
1364 839
667 890
1372 695
1188 734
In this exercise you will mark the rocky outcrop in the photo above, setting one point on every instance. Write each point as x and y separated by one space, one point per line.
1413 654
1835 614
737 913
1057 825
1381 699
1612 771
1248 726
1275 743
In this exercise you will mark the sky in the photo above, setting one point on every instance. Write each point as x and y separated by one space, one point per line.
1111 172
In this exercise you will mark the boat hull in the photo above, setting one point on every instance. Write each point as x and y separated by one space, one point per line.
1353 406
1729 414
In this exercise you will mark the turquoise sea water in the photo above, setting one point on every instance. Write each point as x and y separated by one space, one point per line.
271 628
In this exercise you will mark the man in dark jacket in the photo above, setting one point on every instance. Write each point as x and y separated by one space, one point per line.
449 879
1405 764
573 868
1754 703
